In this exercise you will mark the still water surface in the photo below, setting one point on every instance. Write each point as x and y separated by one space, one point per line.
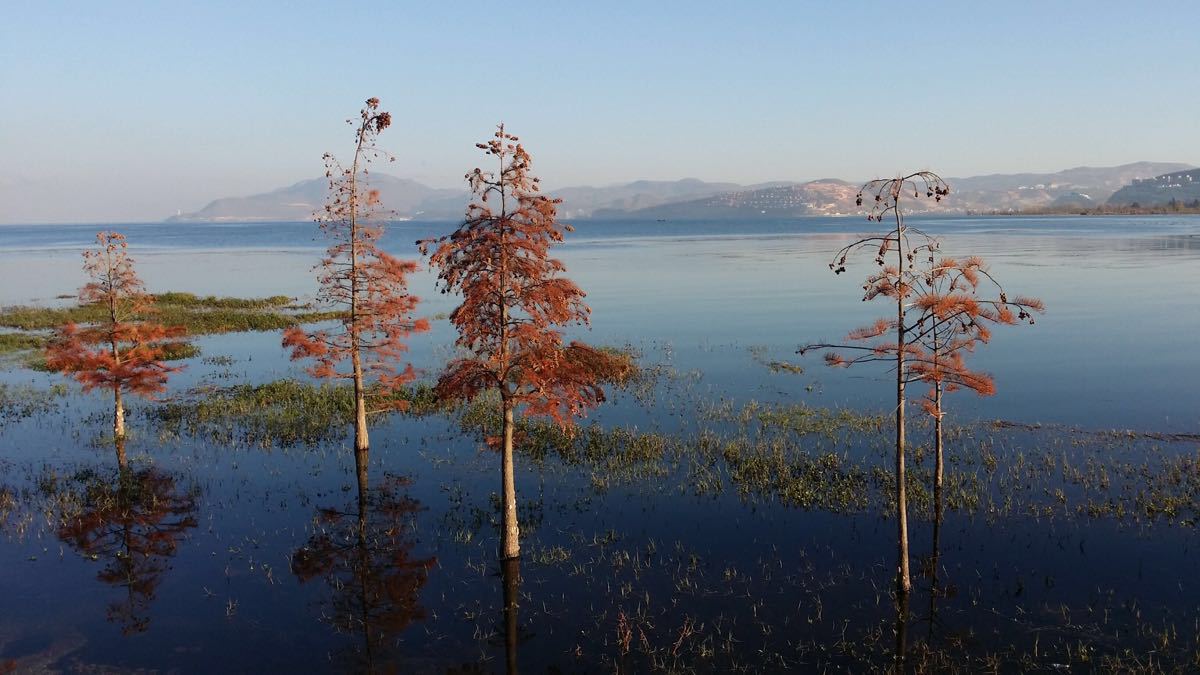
228 557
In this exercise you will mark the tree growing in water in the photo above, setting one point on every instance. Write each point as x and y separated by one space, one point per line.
939 318
124 352
369 284
953 320
515 301
893 340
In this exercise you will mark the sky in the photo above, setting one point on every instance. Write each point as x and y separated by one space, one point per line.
123 111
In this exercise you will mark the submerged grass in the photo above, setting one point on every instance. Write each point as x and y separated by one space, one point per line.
20 401
802 457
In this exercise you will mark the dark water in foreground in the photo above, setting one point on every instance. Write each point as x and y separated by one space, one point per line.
705 526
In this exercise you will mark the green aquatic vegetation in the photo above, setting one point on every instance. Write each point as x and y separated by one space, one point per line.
198 315
181 299
796 419
281 413
11 343
614 454
773 469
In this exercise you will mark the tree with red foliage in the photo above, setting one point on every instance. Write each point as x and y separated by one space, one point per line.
123 352
895 282
515 301
953 319
938 319
371 285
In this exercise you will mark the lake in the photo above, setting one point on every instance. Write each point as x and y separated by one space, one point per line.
721 513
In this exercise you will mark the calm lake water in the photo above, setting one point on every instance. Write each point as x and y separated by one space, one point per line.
1116 347
238 553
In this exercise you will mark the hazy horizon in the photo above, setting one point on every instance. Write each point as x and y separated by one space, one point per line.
130 112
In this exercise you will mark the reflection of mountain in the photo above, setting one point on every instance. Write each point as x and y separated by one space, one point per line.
133 524
364 555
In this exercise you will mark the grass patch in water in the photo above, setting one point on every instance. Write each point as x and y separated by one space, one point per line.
11 343
282 413
199 315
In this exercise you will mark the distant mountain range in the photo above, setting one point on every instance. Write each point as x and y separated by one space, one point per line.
1179 187
691 199
300 201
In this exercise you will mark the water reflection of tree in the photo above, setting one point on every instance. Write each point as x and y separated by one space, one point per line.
364 554
133 523
510 576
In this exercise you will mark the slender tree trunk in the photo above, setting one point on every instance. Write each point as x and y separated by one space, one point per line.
122 461
118 414
361 440
118 405
937 446
511 572
360 468
937 502
510 544
511 535
903 580
935 561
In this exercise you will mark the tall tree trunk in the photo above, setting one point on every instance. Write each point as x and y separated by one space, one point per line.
361 458
511 572
122 461
903 580
937 446
937 504
510 537
935 561
361 440
118 414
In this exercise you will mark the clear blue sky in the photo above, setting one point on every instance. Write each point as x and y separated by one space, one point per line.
121 110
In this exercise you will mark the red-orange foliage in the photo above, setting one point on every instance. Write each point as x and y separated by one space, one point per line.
938 319
513 295
134 526
895 282
514 303
357 275
122 353
952 320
